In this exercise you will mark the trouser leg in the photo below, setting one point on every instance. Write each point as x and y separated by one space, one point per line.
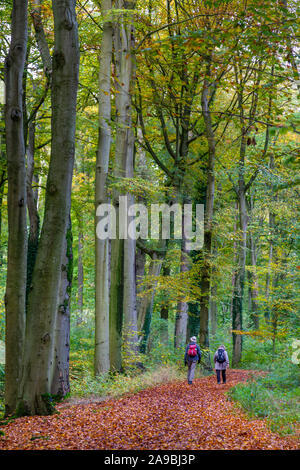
191 371
218 372
224 376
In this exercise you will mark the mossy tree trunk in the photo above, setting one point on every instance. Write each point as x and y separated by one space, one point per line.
15 297
38 361
60 381
3 173
34 219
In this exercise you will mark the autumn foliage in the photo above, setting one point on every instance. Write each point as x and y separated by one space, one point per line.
171 416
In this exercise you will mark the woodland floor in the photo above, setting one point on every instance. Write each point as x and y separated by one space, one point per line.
171 416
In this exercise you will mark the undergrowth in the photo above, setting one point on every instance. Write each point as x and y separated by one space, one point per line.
274 396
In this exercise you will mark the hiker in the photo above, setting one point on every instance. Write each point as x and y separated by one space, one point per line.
221 363
191 358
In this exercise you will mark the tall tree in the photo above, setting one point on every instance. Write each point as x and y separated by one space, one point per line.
15 296
42 309
122 284
208 91
101 360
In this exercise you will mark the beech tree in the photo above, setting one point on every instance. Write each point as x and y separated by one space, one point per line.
37 367
102 258
122 282
15 297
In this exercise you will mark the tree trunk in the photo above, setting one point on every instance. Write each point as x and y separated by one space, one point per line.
101 359
208 221
181 319
2 184
140 262
60 381
213 309
272 249
241 191
34 219
80 275
2 175
254 311
236 207
15 297
239 276
146 308
122 300
146 300
164 312
40 37
129 299
34 396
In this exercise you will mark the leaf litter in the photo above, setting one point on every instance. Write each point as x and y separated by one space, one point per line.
170 416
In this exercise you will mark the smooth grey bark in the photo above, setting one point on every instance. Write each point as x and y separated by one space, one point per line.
44 295
129 300
127 76
60 385
40 37
29 133
15 297
102 264
122 292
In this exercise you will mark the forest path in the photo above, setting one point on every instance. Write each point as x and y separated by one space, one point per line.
171 416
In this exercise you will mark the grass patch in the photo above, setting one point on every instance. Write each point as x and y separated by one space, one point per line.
116 385
274 397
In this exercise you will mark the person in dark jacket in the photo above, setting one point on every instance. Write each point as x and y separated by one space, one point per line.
191 361
221 367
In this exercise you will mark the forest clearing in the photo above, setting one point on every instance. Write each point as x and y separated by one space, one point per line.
149 224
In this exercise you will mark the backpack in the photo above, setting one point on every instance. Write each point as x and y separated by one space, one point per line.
192 352
221 356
